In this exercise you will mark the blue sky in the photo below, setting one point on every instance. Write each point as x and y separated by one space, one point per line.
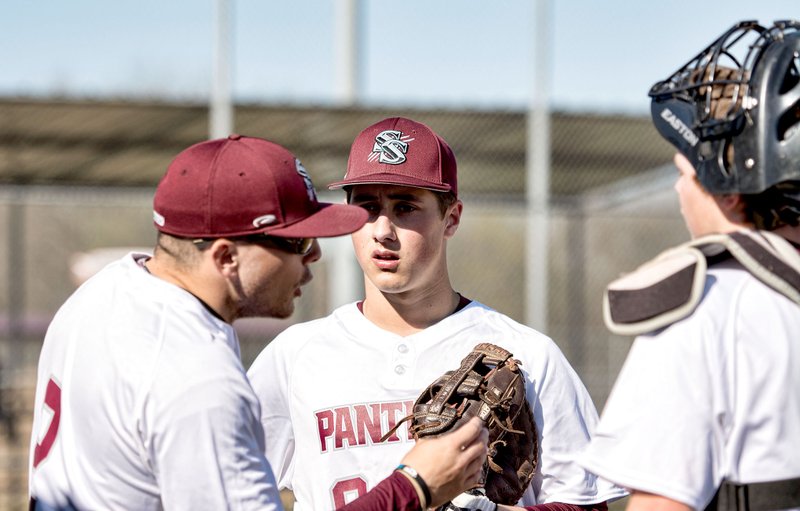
451 53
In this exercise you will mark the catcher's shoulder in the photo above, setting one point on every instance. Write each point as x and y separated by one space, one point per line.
671 287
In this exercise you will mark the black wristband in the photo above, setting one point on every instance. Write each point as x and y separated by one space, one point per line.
419 480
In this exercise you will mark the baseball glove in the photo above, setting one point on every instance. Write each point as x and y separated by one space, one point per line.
488 384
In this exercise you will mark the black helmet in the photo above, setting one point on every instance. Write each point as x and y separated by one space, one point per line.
734 109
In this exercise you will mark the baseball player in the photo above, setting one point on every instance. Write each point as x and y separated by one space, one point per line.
371 359
705 413
142 401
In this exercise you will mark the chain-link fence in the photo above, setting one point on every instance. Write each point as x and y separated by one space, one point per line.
76 182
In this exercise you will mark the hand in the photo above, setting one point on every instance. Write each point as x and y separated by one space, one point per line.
470 500
451 463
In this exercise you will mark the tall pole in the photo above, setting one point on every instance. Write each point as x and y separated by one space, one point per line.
221 109
346 51
537 163
17 257
345 280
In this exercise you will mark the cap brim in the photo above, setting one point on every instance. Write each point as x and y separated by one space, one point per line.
391 179
329 221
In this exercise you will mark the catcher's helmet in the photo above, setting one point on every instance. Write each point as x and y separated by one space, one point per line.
734 109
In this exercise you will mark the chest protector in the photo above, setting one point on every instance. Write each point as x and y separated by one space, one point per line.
669 287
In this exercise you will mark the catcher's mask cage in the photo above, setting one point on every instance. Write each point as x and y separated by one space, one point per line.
734 109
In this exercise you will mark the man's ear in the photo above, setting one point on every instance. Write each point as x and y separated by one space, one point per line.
225 256
733 207
453 219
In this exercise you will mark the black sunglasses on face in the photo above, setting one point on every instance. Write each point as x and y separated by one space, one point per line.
300 246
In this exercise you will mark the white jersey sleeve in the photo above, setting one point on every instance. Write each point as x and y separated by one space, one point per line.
204 441
340 383
713 397
566 417
142 403
270 377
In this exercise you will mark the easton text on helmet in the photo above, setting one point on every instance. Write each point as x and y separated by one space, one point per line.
679 126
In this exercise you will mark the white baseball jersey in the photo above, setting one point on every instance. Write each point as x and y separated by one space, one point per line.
330 388
142 403
714 396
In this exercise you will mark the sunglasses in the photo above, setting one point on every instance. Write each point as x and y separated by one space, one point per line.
300 246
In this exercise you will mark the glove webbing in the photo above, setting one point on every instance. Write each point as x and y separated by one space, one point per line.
470 381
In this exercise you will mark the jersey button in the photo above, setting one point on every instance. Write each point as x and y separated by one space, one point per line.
400 369
402 348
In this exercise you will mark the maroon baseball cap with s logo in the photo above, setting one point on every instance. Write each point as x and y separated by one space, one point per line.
238 186
403 152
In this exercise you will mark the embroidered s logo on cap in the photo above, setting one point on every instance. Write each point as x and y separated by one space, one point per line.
390 147
158 219
312 195
403 152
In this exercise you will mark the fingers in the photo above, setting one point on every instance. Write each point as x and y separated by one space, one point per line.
476 450
473 437
453 462
475 470
473 442
470 431
484 437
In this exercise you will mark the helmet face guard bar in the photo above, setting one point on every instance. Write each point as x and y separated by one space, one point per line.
716 66
722 108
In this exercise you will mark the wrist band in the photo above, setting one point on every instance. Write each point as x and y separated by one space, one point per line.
415 478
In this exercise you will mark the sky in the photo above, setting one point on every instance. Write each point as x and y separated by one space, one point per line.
475 54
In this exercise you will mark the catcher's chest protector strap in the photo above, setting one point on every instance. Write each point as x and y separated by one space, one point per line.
669 287
767 496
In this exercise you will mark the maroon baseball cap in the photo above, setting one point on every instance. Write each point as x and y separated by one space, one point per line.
238 186
403 152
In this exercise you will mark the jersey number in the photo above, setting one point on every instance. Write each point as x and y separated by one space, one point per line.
347 491
52 400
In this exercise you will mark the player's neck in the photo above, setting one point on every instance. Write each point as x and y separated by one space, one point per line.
209 296
410 312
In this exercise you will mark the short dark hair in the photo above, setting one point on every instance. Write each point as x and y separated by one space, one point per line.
445 199
775 207
183 251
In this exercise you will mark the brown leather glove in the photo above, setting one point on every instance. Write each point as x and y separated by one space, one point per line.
488 384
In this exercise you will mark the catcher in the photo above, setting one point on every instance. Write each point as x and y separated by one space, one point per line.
376 356
704 414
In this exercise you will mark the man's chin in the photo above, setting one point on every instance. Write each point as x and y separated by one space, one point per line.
283 313
389 282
